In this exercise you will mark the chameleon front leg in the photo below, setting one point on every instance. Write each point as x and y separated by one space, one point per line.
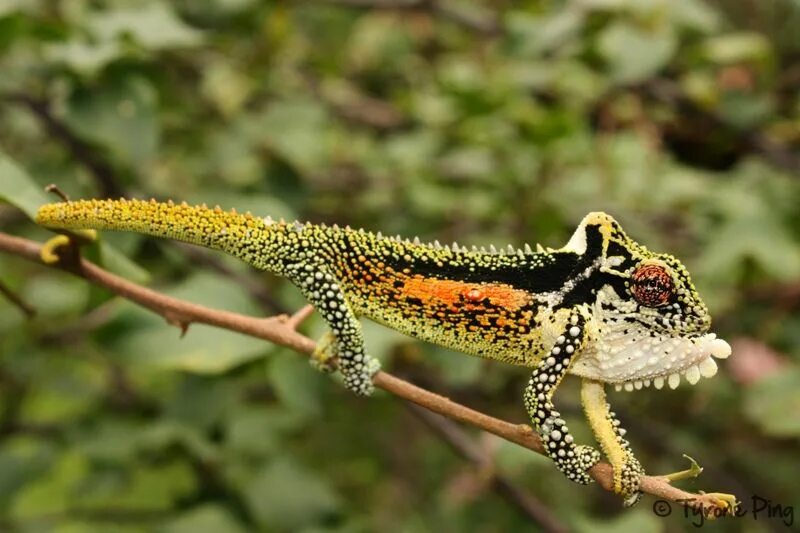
573 460
610 435
345 339
325 357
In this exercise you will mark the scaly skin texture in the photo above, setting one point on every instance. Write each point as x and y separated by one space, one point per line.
603 307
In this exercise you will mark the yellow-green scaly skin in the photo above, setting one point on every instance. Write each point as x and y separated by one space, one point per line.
603 307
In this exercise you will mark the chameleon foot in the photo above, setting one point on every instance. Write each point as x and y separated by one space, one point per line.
577 467
727 503
358 373
357 369
324 357
627 479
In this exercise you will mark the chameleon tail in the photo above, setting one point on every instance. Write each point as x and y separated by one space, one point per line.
259 242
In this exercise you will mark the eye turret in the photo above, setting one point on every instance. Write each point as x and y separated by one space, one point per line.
651 284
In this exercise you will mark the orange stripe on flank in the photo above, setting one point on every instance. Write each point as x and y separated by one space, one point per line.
445 291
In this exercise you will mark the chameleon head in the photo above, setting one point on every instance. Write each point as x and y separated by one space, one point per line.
649 323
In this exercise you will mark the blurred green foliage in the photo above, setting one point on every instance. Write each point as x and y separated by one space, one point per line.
486 122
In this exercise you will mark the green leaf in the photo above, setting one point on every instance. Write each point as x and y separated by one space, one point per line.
21 462
737 47
118 263
533 35
296 383
773 404
9 7
634 54
200 402
19 189
226 87
57 295
52 492
204 349
259 204
121 116
81 56
752 227
250 433
639 519
696 14
204 518
298 131
144 486
286 496
154 26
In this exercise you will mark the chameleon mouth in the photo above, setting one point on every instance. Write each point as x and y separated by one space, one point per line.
706 367
631 359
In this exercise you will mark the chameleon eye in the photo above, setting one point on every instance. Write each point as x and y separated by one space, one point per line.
651 285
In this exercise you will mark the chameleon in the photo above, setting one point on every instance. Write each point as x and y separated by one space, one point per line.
603 307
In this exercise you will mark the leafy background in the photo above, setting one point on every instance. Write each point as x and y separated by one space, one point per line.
487 122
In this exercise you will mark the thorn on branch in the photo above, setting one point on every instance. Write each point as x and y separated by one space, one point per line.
177 321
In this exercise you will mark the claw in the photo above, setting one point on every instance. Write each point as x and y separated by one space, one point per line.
632 500
719 500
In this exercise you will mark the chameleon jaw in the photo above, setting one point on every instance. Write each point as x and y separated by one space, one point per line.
666 360
707 368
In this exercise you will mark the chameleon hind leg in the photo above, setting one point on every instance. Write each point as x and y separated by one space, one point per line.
343 346
573 460
611 436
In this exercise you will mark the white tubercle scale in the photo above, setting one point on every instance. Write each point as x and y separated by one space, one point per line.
674 380
691 360
706 368
719 348
692 374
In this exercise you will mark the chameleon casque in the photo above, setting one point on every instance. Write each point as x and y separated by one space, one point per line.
603 307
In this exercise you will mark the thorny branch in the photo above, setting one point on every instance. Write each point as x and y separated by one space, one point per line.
281 330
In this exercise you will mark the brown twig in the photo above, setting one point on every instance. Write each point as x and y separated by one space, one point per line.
18 302
465 447
83 151
300 316
280 331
